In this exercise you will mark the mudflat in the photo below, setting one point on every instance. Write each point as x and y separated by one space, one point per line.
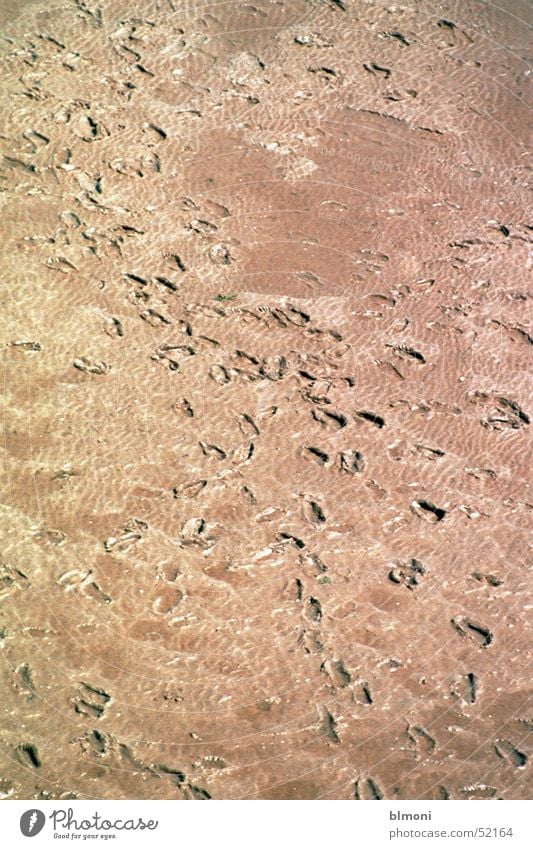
266 352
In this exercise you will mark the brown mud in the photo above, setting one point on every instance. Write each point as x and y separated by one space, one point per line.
265 342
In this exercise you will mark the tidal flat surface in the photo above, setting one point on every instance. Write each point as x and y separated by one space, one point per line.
265 328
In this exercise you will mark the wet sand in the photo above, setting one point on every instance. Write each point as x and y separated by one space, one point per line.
265 310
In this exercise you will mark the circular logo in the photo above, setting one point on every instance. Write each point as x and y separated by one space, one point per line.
32 822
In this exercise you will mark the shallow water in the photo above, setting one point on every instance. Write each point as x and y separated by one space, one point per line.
267 411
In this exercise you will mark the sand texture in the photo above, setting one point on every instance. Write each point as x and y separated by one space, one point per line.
265 298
